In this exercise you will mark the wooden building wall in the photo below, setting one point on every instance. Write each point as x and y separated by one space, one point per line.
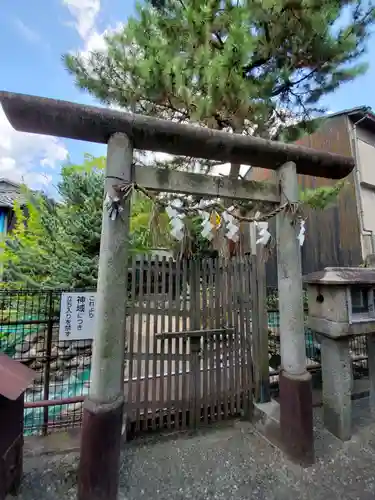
332 235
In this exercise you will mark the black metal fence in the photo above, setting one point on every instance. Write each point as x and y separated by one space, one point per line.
358 350
29 324
29 332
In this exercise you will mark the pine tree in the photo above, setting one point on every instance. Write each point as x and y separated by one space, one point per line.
246 67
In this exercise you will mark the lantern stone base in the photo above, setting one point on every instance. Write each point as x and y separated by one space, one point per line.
337 387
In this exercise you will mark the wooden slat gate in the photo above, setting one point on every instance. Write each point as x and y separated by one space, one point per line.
189 337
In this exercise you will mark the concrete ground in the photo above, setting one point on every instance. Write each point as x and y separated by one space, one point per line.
227 462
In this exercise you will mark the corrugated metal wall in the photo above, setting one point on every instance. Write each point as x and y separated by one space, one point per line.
332 235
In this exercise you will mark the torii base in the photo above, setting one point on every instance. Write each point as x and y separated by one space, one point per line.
100 450
296 416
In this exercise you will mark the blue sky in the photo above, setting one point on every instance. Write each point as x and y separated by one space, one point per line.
34 35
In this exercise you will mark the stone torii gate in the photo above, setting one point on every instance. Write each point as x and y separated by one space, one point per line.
103 411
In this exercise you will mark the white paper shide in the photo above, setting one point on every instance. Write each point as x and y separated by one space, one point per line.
231 229
264 235
176 219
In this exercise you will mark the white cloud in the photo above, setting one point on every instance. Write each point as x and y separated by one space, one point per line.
26 32
149 158
85 13
96 41
38 179
22 155
225 169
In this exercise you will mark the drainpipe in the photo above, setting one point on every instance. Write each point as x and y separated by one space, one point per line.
357 183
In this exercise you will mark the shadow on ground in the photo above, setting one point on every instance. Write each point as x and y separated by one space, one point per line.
231 462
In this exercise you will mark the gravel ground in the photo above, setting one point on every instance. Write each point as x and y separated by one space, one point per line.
231 462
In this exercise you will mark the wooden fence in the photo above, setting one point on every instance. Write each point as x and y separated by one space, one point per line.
189 354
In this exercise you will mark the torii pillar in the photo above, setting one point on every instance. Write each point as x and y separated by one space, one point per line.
296 412
104 407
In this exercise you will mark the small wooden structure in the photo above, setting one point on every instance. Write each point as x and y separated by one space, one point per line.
189 357
14 380
341 306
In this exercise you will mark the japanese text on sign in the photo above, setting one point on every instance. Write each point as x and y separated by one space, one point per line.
77 316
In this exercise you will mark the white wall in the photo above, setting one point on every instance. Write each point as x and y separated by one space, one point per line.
366 151
366 166
368 205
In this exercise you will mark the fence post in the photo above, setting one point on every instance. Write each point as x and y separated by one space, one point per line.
47 366
103 410
296 418
259 322
195 342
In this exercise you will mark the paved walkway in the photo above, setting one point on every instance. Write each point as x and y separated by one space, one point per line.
231 462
